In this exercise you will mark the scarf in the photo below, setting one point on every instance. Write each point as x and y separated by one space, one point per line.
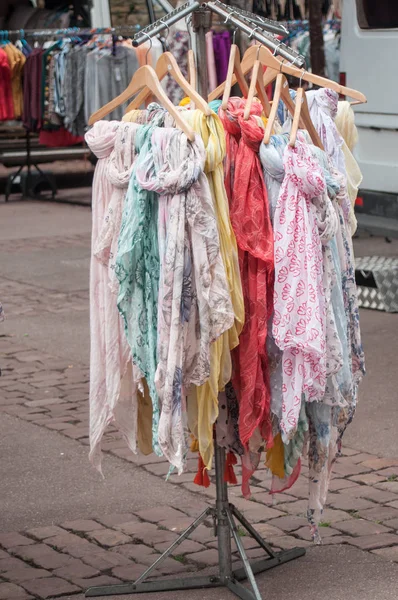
191 272
137 270
113 397
299 326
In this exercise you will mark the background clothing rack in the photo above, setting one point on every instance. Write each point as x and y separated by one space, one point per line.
224 513
29 176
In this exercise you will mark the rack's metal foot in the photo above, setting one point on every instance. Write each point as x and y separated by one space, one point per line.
164 585
269 563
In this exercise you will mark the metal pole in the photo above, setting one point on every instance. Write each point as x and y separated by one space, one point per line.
151 11
201 23
223 529
164 23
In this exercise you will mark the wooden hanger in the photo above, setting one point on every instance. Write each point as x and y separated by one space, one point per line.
234 69
302 111
167 64
268 59
145 77
192 74
256 84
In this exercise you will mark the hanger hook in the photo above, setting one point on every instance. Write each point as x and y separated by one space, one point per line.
301 76
167 25
252 32
234 35
281 65
258 51
297 57
150 47
276 48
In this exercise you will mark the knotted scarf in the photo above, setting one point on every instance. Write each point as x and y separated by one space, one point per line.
137 269
192 273
299 324
251 222
112 394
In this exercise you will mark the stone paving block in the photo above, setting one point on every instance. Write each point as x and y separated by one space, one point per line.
207 557
148 533
42 533
83 525
25 573
170 566
94 581
367 478
341 484
11 540
389 472
392 523
66 540
295 508
267 531
380 463
105 560
287 542
136 551
49 587
10 563
349 452
331 515
361 527
130 573
371 542
289 523
154 515
178 524
305 534
186 547
203 534
388 486
116 519
4 554
10 591
380 513
42 555
76 569
349 468
109 537
256 512
370 493
344 502
388 553
334 540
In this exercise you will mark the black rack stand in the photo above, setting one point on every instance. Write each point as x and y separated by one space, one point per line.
25 180
224 515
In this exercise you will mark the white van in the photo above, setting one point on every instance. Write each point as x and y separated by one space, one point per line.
369 57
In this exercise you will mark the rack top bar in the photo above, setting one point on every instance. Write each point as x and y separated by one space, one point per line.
72 31
254 32
262 22
161 24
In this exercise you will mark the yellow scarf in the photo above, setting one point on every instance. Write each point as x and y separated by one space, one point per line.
203 400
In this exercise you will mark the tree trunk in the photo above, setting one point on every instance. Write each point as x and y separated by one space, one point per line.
316 37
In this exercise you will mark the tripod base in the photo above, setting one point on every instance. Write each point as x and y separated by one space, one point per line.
229 580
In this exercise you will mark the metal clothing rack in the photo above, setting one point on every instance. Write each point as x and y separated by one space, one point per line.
224 514
29 181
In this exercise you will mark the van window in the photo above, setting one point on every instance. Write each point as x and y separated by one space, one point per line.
377 14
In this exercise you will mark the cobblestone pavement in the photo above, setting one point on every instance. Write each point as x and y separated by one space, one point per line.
63 559
67 558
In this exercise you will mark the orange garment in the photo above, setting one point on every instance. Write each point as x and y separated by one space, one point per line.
16 61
